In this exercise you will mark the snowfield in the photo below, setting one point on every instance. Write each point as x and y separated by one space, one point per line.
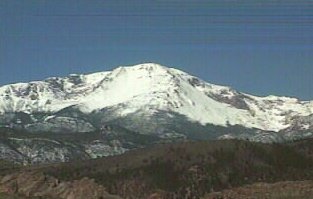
150 88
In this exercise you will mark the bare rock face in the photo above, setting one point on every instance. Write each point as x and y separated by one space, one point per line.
158 195
36 184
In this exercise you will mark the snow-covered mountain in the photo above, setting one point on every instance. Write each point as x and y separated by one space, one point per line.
107 113
151 87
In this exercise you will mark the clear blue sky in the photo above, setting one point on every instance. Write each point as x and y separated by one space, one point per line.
259 47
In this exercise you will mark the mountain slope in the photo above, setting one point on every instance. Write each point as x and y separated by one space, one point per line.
150 88
188 169
108 113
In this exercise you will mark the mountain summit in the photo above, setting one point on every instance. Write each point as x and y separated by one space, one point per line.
149 88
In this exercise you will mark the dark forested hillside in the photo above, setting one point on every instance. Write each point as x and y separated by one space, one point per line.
192 168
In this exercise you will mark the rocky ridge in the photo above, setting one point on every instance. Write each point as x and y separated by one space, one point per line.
108 113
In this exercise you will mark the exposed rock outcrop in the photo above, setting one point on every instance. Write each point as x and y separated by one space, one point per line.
37 184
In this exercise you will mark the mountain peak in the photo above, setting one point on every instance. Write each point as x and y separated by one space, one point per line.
153 87
148 65
151 67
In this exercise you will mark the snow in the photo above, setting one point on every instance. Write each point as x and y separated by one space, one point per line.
97 149
305 126
152 87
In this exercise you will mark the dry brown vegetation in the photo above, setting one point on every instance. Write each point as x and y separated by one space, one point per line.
278 190
37 185
191 169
